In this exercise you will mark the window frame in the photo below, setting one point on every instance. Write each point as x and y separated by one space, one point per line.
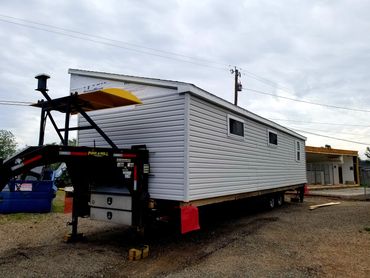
298 150
232 135
272 145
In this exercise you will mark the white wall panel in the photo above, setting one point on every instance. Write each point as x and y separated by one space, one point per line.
222 165
158 123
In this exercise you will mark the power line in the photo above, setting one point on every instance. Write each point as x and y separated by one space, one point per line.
114 40
15 101
223 65
114 45
308 102
332 131
13 104
165 54
320 123
246 72
264 80
196 60
275 85
331 137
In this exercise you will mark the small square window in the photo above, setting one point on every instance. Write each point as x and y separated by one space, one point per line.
235 126
273 138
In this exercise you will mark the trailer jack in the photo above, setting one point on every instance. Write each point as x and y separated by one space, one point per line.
74 236
70 238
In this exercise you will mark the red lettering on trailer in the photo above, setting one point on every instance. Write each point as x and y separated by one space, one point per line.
125 155
73 153
128 155
79 153
37 157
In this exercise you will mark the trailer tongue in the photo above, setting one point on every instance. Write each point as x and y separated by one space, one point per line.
98 175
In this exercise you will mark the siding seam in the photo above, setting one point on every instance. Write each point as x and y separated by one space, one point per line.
186 145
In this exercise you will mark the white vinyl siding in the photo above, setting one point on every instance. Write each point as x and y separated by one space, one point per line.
186 130
220 165
159 124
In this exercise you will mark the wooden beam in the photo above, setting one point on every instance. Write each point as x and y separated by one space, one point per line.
322 150
239 196
324 205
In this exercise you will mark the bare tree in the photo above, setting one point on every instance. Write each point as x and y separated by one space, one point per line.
367 152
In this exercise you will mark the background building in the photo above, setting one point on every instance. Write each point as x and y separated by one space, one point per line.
329 166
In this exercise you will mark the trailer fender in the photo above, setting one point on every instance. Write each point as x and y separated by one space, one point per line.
189 219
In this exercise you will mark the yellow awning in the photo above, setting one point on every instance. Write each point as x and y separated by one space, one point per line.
109 98
96 100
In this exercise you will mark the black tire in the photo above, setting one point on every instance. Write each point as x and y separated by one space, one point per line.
301 194
270 202
279 199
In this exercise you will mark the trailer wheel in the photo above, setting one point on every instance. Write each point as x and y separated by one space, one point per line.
271 202
301 194
279 199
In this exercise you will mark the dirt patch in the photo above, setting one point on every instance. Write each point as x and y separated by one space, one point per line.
236 241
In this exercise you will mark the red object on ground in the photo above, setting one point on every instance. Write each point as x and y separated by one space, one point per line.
306 191
189 219
68 203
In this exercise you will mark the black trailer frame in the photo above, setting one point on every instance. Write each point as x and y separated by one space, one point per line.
88 167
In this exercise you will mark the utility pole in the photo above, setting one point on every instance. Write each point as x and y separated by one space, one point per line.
237 85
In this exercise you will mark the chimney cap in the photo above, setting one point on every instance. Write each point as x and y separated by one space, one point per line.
42 75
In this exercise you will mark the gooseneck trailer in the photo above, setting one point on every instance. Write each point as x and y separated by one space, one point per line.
201 150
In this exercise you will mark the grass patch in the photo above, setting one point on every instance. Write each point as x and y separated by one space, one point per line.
15 217
20 217
58 202
367 229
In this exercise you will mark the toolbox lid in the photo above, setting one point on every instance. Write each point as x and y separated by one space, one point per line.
91 101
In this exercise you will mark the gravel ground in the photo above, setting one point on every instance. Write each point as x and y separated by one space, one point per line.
290 241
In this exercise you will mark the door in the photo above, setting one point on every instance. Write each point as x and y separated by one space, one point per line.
355 172
340 172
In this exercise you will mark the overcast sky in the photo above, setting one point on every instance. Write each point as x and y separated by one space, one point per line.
317 51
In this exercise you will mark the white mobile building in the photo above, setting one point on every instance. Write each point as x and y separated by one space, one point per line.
201 146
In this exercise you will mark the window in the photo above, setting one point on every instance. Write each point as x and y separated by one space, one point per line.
236 126
273 138
298 151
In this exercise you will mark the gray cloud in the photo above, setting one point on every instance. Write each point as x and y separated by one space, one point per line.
316 50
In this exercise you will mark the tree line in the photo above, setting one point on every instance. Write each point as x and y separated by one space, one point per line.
9 145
